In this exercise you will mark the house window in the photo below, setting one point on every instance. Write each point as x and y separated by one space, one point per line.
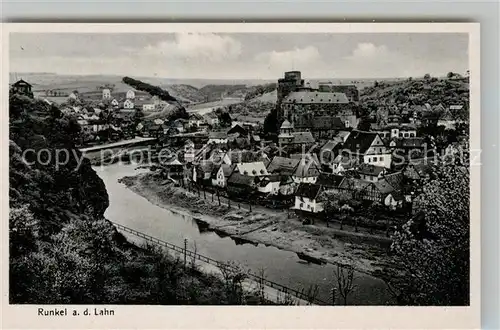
301 205
368 159
381 159
412 134
406 134
374 159
400 134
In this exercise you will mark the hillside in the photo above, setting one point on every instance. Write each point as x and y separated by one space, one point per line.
216 92
418 91
185 93
170 112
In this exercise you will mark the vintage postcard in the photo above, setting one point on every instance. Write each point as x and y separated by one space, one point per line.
330 170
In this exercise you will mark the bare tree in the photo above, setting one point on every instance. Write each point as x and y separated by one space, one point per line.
193 257
345 281
311 293
233 276
260 292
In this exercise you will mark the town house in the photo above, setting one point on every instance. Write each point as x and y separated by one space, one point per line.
307 170
241 186
370 172
307 198
128 104
130 94
195 120
270 185
211 119
343 163
106 94
217 138
367 147
220 174
22 87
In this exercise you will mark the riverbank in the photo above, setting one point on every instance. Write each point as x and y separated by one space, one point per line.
270 228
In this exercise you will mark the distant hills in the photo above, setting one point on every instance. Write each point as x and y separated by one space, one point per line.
185 90
255 93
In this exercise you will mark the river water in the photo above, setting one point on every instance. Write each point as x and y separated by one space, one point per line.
283 267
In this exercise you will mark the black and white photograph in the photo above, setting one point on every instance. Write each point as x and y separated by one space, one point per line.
239 168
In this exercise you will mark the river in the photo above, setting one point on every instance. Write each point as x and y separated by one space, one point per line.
136 212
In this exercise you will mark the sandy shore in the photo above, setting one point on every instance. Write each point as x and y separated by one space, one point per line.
269 228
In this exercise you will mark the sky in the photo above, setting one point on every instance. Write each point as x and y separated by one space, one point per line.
242 55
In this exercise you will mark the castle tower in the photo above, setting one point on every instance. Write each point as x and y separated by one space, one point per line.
290 83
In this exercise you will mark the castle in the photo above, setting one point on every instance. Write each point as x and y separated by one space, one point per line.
322 111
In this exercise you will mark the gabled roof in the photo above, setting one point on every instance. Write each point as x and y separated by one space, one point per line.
211 115
241 156
306 169
252 169
330 145
353 184
303 138
282 165
21 82
368 169
237 129
228 169
345 161
360 141
241 180
308 190
173 162
383 186
195 116
343 134
439 107
329 180
308 157
286 125
271 178
205 167
395 180
414 142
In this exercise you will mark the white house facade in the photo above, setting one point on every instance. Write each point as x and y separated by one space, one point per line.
128 104
106 93
148 107
308 205
130 94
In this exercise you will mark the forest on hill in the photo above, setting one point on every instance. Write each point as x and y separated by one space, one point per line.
216 92
176 112
418 91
